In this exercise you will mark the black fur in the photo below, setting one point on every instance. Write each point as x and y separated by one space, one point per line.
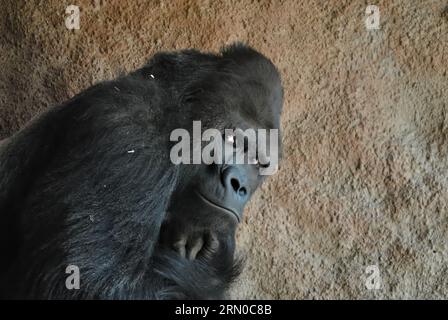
70 193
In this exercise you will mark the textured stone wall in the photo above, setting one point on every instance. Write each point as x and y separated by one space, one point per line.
365 127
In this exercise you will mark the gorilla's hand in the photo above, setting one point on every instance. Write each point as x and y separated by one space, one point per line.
187 257
191 243
197 245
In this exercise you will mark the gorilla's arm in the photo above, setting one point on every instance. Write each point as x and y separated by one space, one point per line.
85 185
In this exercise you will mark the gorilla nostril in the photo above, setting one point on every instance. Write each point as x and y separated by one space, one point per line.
235 184
240 190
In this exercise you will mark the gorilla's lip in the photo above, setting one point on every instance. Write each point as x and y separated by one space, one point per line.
227 210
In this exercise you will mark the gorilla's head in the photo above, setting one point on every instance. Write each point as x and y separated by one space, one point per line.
240 90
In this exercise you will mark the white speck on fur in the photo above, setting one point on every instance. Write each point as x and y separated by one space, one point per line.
131 151
152 76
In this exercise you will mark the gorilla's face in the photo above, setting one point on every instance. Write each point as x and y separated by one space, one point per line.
242 92
210 206
216 194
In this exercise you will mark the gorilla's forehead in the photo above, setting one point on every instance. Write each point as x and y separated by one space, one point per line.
236 88
231 99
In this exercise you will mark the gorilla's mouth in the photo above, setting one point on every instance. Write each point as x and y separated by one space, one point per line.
226 210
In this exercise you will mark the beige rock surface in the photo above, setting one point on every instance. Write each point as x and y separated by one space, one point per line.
365 173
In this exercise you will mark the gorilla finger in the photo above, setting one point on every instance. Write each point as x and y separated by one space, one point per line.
211 245
196 246
212 242
180 247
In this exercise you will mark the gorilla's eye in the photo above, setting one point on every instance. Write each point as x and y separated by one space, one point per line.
254 161
264 165
230 139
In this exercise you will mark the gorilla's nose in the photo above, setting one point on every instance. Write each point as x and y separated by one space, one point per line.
235 182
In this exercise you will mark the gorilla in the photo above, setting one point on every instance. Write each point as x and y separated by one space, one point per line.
90 183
